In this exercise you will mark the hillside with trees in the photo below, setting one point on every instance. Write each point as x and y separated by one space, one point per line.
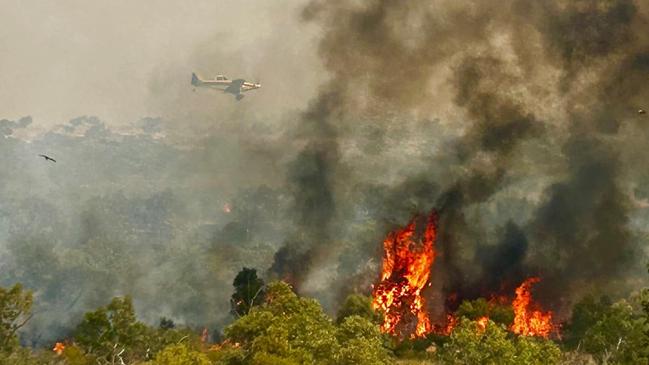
272 325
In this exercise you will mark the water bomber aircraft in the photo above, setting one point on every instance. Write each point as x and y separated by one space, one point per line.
220 82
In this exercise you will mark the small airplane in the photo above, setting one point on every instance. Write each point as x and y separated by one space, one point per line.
48 158
220 82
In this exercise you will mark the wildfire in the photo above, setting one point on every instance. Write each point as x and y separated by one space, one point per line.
451 322
482 323
406 270
226 343
204 335
527 320
408 257
59 347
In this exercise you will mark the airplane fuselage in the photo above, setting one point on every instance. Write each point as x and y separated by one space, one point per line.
235 87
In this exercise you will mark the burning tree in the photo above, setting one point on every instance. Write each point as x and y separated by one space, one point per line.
405 273
527 320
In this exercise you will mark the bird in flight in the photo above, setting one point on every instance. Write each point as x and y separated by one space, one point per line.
48 158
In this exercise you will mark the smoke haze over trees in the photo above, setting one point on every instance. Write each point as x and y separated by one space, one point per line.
516 119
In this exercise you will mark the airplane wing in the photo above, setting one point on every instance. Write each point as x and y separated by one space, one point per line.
235 86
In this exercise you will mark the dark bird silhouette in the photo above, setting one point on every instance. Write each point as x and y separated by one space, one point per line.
48 158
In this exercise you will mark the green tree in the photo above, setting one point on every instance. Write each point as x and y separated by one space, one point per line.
24 356
357 305
166 324
160 338
471 344
617 336
15 312
227 354
585 314
112 332
468 344
287 327
361 343
534 350
474 309
180 354
248 292
75 356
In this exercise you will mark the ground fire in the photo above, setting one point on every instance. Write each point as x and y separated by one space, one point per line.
529 321
482 323
406 270
59 347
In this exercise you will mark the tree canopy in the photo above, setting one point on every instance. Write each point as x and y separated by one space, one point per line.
290 329
248 292
471 344
15 312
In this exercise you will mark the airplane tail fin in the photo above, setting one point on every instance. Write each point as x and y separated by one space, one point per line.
195 79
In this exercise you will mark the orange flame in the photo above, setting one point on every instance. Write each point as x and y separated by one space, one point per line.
226 343
451 322
406 270
204 335
59 347
527 320
482 323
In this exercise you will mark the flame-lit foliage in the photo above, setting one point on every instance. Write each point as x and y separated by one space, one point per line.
529 321
482 323
486 342
451 322
498 311
405 273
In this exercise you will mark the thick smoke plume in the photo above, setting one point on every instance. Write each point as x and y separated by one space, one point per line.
310 181
544 91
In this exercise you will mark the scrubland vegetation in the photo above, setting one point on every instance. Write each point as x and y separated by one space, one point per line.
274 325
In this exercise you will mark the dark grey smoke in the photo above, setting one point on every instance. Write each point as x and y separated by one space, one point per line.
310 181
546 91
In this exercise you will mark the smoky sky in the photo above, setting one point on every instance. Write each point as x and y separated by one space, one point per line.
545 90
516 120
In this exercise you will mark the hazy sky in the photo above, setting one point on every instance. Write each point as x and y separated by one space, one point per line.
122 60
